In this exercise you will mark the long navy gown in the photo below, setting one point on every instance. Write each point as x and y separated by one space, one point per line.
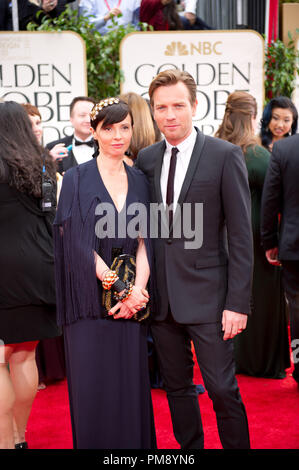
106 359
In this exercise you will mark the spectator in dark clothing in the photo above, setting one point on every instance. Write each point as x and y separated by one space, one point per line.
5 15
189 16
28 10
162 15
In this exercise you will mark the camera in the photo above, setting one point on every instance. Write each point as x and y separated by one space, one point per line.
48 200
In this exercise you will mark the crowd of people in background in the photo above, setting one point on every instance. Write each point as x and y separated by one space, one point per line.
160 15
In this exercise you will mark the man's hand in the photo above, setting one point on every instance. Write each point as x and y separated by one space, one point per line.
272 256
190 16
112 12
233 323
48 5
58 151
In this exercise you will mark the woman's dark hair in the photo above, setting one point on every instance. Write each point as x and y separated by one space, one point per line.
20 151
115 111
171 16
278 102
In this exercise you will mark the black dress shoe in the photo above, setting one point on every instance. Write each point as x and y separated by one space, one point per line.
21 445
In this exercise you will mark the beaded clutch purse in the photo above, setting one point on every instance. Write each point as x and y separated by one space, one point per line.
125 267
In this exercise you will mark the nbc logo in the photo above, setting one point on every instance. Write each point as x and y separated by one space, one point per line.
202 48
176 48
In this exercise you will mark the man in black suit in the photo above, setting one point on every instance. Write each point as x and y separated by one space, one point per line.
281 239
203 293
81 141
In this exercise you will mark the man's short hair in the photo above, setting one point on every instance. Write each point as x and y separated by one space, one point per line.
80 98
172 77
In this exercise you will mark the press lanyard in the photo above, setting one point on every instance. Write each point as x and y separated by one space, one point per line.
108 6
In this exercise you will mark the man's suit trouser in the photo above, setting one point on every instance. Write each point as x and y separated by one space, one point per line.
215 359
290 276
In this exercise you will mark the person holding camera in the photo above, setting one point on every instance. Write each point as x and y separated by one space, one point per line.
27 288
39 10
49 352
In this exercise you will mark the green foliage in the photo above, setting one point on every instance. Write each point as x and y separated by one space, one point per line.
289 1
102 52
281 63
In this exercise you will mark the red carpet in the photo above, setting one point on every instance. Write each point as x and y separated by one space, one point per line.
272 407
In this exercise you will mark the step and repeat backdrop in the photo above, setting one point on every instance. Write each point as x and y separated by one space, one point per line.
220 62
48 69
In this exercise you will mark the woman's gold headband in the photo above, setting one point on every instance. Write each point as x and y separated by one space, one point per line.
102 104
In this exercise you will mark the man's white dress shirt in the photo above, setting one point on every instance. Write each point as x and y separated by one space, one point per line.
82 153
183 159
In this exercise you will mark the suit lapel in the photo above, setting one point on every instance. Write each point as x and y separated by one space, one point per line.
73 161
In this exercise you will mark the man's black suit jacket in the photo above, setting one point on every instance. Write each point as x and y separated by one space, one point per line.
281 196
66 162
200 283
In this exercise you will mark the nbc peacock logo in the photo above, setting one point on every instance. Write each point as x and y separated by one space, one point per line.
176 48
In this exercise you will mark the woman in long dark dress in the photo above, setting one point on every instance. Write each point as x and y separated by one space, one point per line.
27 286
262 349
106 358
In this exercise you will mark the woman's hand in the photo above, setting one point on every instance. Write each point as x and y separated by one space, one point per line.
135 302
123 311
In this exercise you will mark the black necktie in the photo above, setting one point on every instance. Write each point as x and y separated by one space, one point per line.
170 183
89 142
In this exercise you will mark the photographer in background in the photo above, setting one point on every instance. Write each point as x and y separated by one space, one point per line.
29 8
81 141
49 352
27 289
